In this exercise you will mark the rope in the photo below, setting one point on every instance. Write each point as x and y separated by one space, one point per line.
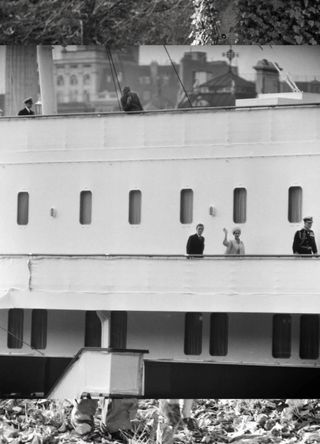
23 342
177 74
115 79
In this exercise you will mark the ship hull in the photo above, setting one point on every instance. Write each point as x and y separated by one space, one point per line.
25 377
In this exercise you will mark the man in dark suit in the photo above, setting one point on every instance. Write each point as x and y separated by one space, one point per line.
130 100
195 244
27 111
304 241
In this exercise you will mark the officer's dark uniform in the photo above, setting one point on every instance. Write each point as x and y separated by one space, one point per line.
304 242
27 111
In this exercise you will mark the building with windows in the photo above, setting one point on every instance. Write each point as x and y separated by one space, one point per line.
88 79
80 76
215 84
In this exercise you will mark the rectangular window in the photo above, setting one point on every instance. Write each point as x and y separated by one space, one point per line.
92 336
23 208
39 329
295 204
193 334
239 205
186 206
218 334
118 329
281 338
85 207
135 207
15 328
309 336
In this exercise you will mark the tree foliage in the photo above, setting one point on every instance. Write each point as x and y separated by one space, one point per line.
109 22
279 21
132 22
206 21
259 22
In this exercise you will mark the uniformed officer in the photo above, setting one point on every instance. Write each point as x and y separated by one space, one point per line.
27 111
304 241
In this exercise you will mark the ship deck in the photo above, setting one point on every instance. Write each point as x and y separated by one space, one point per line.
175 283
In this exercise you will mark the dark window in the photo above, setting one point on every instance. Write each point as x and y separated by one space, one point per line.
239 205
118 329
39 329
92 330
85 207
193 334
23 208
295 204
15 328
186 206
60 81
309 336
86 79
73 80
281 338
135 207
218 334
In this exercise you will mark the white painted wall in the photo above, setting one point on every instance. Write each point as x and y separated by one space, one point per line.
288 284
266 151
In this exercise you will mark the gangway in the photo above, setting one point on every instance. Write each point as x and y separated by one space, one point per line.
102 372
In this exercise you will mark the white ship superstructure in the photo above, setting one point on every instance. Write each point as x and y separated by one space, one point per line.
97 210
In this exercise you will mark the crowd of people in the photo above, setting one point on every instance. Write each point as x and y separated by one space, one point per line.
304 241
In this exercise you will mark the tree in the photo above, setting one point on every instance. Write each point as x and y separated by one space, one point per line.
213 22
108 22
257 22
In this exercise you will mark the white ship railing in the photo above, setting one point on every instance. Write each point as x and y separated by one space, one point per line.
213 283
165 111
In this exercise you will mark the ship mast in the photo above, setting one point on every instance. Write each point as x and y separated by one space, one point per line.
27 69
46 79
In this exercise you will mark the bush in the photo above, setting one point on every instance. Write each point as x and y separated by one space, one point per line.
279 22
259 22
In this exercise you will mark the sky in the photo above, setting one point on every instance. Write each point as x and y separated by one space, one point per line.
299 61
